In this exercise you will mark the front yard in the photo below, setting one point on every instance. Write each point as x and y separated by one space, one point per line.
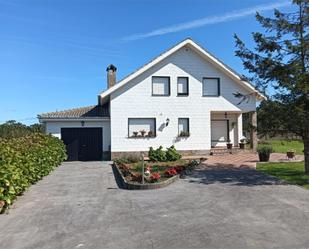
292 172
283 145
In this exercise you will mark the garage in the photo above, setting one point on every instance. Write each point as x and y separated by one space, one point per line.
83 144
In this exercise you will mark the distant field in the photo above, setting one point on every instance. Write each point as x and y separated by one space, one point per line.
282 146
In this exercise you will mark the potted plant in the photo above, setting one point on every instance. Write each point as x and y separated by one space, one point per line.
229 145
242 143
143 132
135 133
264 152
150 134
290 153
184 134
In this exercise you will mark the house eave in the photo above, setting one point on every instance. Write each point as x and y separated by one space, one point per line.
67 119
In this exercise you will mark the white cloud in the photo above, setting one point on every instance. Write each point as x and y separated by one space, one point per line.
230 16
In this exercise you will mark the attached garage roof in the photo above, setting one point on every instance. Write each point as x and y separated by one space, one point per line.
94 111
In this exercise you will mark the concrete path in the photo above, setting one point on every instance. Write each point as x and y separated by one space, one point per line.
80 206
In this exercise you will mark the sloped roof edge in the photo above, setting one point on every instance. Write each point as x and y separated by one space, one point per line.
246 84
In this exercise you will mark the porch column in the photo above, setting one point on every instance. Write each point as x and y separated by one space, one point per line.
253 132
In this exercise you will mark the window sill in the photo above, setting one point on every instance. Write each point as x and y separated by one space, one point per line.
182 95
160 95
145 137
184 136
211 96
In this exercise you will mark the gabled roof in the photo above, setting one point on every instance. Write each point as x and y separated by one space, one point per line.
205 54
95 111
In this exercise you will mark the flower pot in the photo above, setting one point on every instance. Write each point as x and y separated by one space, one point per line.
229 146
242 146
290 154
264 157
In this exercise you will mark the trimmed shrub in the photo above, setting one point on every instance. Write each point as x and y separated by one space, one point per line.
128 159
24 161
172 154
158 155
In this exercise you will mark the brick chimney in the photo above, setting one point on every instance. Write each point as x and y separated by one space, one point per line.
111 75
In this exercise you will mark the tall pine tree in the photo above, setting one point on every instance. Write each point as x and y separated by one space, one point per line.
281 59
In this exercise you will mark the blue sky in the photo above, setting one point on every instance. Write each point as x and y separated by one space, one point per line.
53 53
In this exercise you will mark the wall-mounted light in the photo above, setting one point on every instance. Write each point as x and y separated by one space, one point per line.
225 115
82 123
167 122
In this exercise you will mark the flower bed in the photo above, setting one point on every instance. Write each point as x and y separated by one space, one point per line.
156 174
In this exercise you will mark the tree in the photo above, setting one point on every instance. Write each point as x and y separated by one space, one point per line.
280 60
11 129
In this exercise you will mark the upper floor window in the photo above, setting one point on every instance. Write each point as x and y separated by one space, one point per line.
161 86
182 86
211 86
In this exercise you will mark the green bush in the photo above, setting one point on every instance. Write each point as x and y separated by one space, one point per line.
172 154
264 152
158 155
24 161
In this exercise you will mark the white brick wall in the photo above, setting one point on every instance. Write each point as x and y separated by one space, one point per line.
134 100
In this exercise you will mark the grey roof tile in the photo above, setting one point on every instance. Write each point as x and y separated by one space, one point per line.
94 111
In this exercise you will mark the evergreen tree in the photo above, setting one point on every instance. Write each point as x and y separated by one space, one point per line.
280 60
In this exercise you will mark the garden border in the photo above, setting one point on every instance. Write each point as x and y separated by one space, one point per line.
138 186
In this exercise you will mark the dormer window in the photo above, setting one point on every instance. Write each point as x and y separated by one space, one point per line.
161 86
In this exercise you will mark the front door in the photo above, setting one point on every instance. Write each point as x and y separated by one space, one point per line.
219 132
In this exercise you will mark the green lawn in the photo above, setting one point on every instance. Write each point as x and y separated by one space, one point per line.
282 146
292 172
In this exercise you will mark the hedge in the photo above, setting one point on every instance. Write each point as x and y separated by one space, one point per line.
24 161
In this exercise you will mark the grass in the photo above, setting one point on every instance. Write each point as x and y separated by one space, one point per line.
292 172
282 146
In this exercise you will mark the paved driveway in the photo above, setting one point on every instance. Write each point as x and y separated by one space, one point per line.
80 206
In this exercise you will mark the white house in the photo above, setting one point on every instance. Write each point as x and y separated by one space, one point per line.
184 97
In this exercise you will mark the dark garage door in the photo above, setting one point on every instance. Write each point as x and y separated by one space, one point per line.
83 144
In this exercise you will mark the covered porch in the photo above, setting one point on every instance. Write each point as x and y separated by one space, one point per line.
227 127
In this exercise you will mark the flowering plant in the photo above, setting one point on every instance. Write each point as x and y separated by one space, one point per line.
155 177
179 168
171 172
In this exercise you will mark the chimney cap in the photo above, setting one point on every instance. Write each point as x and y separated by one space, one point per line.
111 67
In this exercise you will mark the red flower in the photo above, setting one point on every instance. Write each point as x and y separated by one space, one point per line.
171 172
155 176
179 168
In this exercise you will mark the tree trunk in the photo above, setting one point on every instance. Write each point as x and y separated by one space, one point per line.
306 153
